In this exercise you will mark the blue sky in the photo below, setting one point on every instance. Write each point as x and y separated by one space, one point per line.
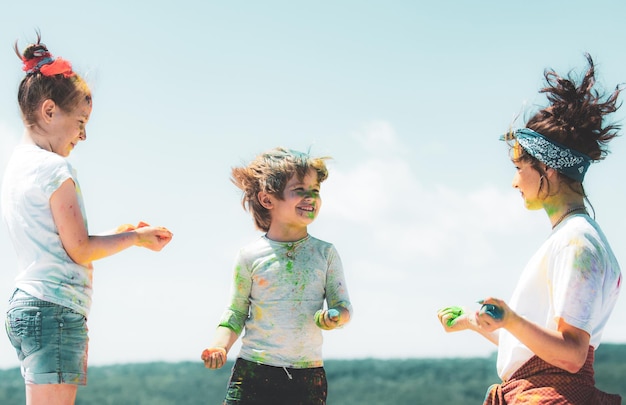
409 99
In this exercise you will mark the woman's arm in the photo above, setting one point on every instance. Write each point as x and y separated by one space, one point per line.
566 347
83 248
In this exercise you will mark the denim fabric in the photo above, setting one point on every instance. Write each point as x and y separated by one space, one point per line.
50 340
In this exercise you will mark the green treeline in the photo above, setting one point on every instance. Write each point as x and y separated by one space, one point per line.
456 381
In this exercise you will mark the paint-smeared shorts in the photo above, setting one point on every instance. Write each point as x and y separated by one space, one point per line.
50 340
258 384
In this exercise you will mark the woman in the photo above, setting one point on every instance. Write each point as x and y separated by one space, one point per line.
548 331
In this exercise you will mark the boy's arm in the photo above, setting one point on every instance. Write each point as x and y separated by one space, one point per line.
216 355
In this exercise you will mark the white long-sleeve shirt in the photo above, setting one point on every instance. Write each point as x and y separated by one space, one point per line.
277 288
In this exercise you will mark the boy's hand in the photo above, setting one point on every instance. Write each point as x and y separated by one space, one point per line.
214 357
327 319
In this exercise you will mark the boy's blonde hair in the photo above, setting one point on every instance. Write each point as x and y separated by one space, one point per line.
269 172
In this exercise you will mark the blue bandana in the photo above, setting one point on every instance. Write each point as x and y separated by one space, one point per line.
567 161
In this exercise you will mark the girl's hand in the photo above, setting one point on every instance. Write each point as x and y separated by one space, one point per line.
214 357
124 228
152 237
328 319
129 227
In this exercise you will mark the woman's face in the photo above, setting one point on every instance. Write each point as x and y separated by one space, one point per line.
528 181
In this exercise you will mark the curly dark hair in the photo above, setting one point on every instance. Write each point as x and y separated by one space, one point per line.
575 115
574 118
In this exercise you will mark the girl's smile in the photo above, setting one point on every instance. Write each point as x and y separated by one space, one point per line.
63 130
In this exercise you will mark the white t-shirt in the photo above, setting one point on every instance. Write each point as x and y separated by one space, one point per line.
45 270
574 276
277 288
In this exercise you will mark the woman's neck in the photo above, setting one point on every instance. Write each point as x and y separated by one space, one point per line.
558 211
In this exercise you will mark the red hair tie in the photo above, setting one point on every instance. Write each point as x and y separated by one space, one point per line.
48 66
58 67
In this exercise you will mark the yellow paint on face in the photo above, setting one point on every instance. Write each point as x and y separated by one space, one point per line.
517 151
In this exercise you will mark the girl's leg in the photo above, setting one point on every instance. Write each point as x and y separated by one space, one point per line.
51 342
51 394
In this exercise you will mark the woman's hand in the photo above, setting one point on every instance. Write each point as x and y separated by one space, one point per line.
454 319
494 314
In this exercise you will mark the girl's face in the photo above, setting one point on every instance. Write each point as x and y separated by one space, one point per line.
68 128
528 180
301 201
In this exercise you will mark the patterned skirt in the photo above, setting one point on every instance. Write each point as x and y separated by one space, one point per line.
537 382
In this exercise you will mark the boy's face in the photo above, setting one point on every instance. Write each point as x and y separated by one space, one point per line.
301 201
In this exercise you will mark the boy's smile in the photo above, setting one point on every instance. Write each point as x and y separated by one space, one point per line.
298 207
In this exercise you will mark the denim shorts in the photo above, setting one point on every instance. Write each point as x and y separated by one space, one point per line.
50 340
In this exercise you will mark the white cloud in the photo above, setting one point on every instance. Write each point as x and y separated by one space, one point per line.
377 136
407 219
408 248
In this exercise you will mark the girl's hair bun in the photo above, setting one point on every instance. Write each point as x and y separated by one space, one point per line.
37 59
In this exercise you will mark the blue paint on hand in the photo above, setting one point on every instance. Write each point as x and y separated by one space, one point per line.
333 314
492 310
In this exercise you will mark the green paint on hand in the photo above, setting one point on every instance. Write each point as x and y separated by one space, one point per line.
455 312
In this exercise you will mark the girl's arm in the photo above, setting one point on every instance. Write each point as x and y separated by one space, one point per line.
566 347
83 248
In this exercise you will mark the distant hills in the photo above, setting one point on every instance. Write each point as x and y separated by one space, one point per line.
455 381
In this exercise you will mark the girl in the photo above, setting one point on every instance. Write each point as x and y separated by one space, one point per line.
43 209
280 284
547 333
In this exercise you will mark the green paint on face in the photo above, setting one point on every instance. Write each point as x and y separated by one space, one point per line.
314 194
